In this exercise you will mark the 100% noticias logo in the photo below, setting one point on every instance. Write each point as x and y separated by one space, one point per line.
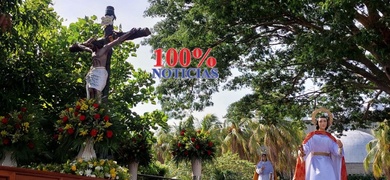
183 58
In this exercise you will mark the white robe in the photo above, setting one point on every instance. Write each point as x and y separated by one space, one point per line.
319 167
266 173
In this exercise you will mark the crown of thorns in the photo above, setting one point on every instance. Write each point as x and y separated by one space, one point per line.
321 109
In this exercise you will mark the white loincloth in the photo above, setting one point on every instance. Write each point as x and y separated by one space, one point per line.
96 78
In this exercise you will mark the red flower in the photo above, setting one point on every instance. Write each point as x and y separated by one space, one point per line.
78 107
96 105
109 133
18 126
82 118
197 146
178 144
23 109
209 152
4 120
60 130
93 132
192 139
182 132
76 113
65 119
210 144
106 118
6 141
55 136
31 145
20 116
70 131
96 116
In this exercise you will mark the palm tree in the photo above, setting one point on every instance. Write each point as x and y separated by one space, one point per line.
379 151
235 135
281 139
161 146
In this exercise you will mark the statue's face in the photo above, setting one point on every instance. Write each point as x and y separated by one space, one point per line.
263 157
322 123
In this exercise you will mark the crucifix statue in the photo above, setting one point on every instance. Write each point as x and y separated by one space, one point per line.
104 46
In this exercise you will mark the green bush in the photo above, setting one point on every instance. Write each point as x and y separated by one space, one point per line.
363 177
155 169
226 167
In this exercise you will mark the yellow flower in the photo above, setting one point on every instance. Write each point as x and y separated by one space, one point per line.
83 132
4 133
73 168
26 125
112 172
107 124
80 160
67 126
101 162
70 109
113 175
99 137
84 107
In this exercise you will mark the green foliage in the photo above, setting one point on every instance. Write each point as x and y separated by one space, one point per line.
155 168
135 147
378 155
228 166
36 67
279 48
363 177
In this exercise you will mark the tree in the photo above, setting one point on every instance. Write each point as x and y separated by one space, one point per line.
343 46
37 68
235 134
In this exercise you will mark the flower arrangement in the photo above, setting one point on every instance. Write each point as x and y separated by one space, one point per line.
189 144
103 168
85 120
18 131
135 147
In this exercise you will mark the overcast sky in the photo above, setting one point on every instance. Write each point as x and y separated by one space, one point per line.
131 14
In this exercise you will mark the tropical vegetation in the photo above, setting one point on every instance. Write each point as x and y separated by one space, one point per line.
278 48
